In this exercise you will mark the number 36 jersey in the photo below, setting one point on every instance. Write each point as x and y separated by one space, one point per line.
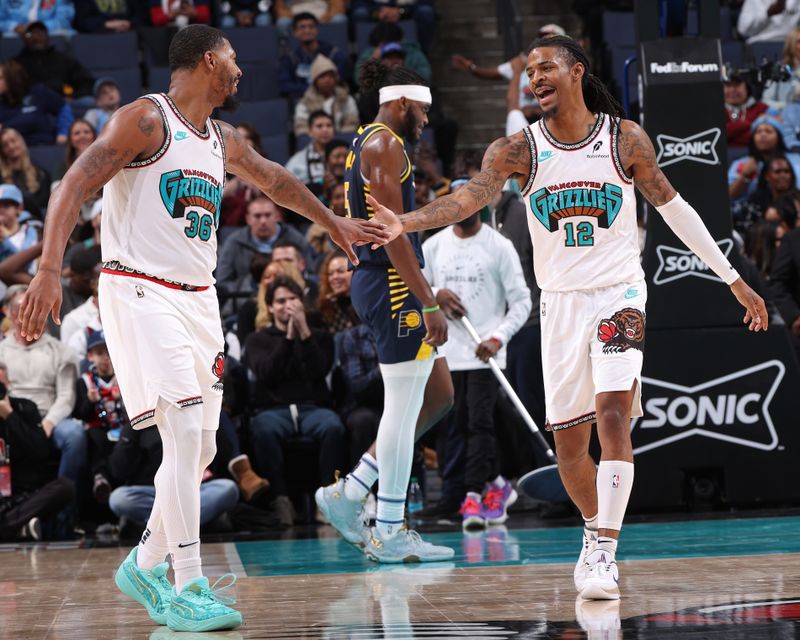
581 210
160 214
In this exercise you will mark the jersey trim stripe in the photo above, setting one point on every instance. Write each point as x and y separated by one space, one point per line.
137 164
114 268
616 127
203 135
598 126
534 161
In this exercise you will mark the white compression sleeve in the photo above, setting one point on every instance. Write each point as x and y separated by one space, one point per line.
688 226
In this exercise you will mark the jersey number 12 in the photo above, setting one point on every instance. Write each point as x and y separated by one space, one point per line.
585 232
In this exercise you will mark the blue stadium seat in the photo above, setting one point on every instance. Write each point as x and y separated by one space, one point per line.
128 80
159 79
106 51
619 28
363 29
618 54
269 117
259 81
48 156
770 50
276 148
256 44
726 24
733 53
11 46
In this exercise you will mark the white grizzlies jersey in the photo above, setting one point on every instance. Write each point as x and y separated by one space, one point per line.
581 210
160 214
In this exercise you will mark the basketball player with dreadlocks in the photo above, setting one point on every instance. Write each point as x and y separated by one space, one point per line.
393 298
577 168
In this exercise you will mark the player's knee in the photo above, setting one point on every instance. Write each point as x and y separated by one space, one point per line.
613 416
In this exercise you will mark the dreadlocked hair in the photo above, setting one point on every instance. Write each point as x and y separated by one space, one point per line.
376 75
595 94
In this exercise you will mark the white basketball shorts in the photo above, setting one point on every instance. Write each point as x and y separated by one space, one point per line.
165 343
592 342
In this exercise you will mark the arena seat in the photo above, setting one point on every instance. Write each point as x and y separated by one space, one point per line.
48 156
98 51
269 117
9 47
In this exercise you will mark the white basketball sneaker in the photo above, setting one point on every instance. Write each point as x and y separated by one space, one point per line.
602 582
581 568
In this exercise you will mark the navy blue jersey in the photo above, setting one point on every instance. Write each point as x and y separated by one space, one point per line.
356 190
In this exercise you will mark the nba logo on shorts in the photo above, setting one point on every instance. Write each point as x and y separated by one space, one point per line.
615 481
407 322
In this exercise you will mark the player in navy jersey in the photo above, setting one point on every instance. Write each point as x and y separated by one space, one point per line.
392 296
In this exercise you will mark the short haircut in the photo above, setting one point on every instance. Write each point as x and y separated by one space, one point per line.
85 260
319 113
333 145
258 263
304 15
190 44
259 198
285 282
288 242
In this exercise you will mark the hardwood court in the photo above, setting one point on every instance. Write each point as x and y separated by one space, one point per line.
732 579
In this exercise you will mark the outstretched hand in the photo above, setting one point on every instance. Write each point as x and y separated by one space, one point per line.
387 219
756 316
349 231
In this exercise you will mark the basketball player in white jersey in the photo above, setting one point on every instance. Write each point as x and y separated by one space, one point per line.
163 162
577 169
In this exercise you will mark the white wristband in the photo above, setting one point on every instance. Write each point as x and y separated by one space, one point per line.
689 227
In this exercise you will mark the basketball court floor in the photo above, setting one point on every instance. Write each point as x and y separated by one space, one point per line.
735 579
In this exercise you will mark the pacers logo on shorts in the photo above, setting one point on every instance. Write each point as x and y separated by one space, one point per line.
407 322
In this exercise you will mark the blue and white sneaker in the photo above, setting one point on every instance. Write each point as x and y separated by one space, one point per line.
581 571
150 588
405 546
346 516
602 581
199 607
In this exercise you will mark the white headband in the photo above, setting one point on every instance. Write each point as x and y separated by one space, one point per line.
411 91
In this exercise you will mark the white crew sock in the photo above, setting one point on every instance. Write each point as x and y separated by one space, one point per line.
590 523
614 483
359 481
404 390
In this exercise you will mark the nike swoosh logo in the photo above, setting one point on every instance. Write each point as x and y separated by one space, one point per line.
187 545
631 294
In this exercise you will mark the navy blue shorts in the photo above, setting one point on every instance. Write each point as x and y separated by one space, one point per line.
393 314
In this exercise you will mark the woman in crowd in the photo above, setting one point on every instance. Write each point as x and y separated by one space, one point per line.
778 94
766 142
336 309
16 167
32 109
79 136
776 180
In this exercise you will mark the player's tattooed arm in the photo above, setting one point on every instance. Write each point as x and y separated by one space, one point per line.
638 157
505 158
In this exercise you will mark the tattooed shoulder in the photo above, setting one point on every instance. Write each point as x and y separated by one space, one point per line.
638 157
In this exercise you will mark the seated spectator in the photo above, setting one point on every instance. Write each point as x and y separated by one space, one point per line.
264 229
361 404
79 136
134 462
294 73
102 16
244 13
333 301
323 10
99 406
78 283
14 270
741 110
93 220
295 254
785 283
179 13
56 15
308 164
39 114
254 314
335 161
45 64
392 11
45 372
290 362
107 100
328 95
762 241
390 33
766 142
766 20
33 494
423 194
16 167
778 94
237 192
17 233
81 323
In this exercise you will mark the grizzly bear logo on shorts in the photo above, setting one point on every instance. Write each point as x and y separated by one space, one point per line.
623 331
218 369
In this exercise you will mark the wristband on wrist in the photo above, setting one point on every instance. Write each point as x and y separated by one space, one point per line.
433 309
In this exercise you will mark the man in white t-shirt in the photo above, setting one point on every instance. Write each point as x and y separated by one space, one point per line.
475 271
767 20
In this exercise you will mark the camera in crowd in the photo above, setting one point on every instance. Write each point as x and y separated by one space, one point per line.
758 76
